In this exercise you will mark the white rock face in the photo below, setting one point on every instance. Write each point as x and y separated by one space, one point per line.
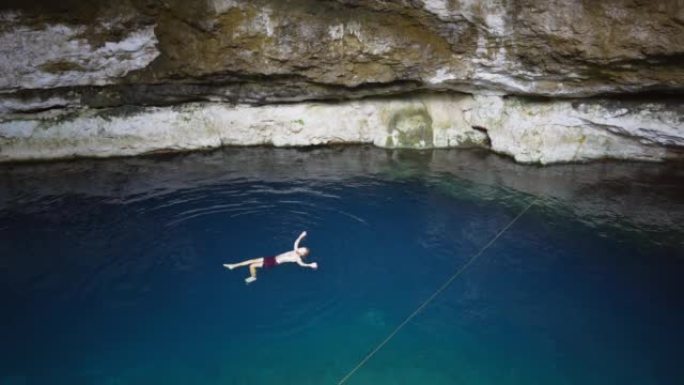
220 6
209 125
58 55
531 132
550 132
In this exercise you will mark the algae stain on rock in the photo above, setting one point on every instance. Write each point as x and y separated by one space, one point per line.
410 128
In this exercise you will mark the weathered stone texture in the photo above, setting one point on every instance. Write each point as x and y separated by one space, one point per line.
570 48
527 130
86 59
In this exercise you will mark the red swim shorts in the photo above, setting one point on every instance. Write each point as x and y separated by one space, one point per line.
270 262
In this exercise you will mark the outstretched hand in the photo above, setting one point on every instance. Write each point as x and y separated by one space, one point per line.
303 234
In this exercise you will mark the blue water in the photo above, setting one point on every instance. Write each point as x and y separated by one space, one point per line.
110 271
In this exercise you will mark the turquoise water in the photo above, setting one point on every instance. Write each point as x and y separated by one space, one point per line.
110 271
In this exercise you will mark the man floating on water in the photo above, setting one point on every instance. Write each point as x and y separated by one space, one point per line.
295 256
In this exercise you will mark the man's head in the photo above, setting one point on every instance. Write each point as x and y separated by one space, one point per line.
303 251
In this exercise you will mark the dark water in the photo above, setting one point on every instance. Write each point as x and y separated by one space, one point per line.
110 271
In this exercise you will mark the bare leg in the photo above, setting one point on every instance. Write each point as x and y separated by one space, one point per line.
253 272
244 263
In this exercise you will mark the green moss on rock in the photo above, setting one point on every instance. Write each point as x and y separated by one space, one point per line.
410 128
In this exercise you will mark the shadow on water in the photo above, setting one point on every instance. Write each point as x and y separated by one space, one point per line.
623 194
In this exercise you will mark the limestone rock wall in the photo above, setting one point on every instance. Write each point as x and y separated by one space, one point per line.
91 78
529 131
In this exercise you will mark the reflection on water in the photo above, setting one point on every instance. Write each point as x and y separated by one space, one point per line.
643 195
110 270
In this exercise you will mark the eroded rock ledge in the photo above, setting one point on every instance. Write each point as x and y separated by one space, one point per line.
541 81
531 131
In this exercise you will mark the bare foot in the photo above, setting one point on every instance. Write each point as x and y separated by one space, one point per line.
250 279
228 266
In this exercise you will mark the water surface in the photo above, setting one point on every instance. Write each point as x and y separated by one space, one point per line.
110 271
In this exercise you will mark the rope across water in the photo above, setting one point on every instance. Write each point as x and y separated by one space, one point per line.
433 296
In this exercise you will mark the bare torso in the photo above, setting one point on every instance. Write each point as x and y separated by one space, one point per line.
288 256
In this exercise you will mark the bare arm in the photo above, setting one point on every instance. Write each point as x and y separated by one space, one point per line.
312 265
301 236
